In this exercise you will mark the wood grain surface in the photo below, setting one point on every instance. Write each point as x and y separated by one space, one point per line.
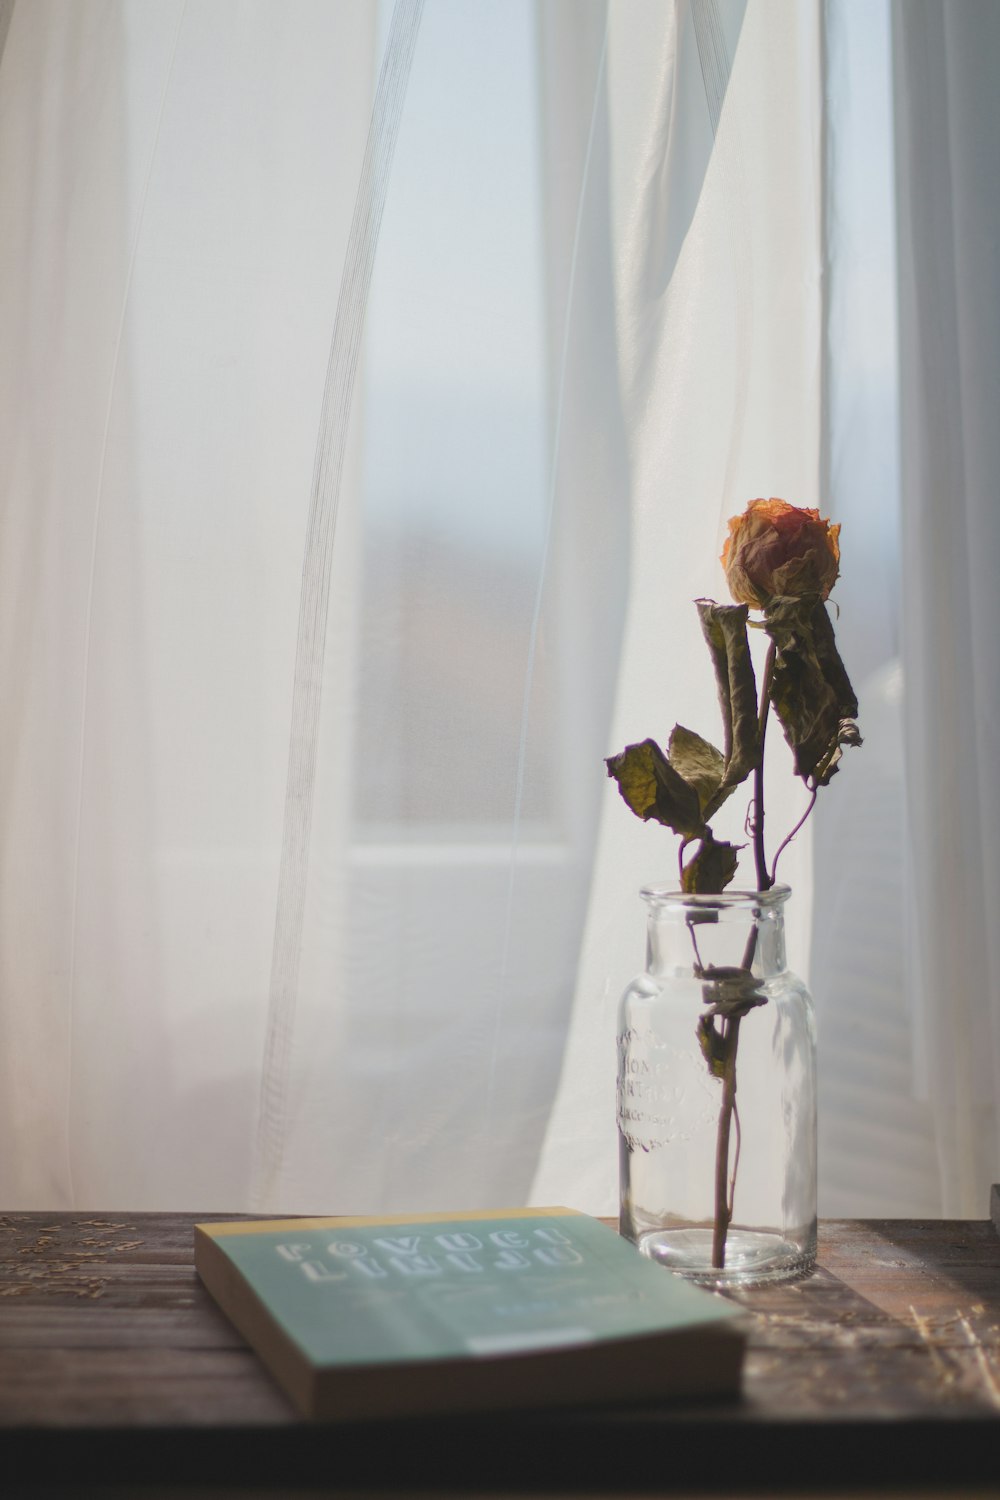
883 1368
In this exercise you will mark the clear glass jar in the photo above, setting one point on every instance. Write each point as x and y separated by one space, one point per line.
717 1093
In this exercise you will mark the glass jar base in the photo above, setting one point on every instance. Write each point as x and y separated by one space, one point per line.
753 1257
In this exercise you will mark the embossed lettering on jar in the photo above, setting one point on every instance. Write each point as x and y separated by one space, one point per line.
724 1206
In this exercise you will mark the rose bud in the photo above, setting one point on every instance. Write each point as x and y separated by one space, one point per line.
779 550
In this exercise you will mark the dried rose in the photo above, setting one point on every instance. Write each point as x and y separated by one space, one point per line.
777 550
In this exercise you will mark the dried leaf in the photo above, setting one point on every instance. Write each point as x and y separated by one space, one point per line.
810 689
714 1048
697 761
654 789
725 629
730 992
712 867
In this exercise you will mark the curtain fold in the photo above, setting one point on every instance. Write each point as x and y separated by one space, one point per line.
441 941
718 350
947 143
876 1140
314 601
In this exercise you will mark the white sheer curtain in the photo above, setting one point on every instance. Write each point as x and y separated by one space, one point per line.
377 380
948 134
306 667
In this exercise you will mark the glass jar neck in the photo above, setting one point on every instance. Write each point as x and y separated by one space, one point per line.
692 934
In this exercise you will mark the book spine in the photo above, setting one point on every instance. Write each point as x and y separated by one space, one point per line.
251 1317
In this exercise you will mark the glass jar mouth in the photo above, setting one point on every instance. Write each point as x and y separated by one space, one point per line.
663 897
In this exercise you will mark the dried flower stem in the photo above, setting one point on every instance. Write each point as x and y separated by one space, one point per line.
723 1196
725 1186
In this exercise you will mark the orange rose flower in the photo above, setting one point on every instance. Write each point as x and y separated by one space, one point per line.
779 550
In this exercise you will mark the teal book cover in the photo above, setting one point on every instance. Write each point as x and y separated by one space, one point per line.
395 1316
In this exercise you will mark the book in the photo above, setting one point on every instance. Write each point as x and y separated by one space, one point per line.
360 1318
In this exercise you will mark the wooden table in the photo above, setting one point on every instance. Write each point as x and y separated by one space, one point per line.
882 1369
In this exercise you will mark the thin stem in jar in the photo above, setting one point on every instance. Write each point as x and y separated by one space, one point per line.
724 1197
694 944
